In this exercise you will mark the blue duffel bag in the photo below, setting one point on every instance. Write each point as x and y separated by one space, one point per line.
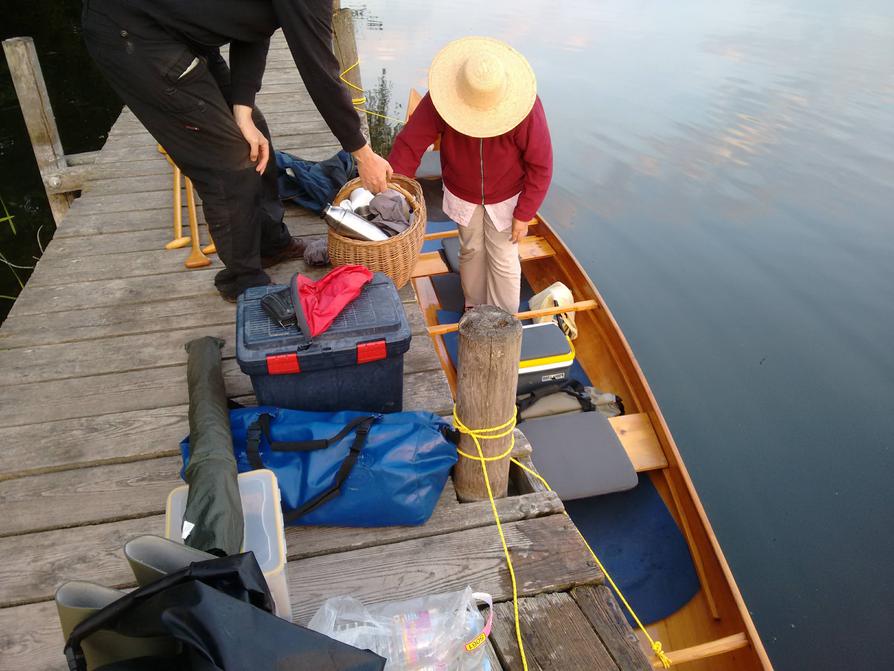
350 469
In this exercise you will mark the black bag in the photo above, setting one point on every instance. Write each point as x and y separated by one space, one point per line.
564 397
219 612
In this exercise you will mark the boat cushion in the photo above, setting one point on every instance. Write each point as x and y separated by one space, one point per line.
433 193
579 454
640 544
451 253
449 291
436 227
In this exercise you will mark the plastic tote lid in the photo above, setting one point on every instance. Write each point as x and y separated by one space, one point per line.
264 534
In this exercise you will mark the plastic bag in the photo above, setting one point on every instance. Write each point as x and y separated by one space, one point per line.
444 632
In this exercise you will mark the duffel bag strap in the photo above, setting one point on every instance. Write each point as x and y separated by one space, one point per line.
362 428
262 427
576 389
532 397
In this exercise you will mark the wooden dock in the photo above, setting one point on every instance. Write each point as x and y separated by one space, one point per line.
94 398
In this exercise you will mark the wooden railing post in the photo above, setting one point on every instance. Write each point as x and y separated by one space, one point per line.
487 377
35 103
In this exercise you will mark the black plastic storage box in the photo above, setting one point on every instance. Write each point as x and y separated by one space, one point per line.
357 364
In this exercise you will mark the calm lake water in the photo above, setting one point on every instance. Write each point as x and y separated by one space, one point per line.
724 171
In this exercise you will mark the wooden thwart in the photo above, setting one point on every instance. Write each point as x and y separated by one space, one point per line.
721 646
639 440
452 233
529 249
578 306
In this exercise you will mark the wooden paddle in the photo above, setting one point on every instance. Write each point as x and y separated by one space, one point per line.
579 306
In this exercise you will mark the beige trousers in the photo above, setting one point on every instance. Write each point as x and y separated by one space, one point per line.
488 264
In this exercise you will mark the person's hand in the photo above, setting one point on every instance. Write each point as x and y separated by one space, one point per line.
374 170
519 230
259 148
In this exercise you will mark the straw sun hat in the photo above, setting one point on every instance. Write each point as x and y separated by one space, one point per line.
481 87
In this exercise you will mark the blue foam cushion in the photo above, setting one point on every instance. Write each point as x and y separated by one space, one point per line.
451 340
637 540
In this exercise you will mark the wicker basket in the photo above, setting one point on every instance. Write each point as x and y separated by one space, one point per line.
396 257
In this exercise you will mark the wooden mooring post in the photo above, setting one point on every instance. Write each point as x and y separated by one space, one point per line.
61 174
344 46
487 377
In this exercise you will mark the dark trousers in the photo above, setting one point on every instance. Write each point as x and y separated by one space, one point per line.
190 115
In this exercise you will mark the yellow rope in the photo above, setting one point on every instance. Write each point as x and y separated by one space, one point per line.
361 101
477 436
656 645
502 431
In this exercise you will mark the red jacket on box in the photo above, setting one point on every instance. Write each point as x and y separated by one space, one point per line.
482 170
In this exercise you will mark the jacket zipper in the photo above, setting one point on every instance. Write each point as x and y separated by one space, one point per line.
481 154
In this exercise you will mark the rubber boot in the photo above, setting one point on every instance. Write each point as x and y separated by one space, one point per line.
152 557
76 600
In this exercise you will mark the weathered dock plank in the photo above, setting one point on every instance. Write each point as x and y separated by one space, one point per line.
599 606
556 635
546 553
160 316
36 568
141 352
158 388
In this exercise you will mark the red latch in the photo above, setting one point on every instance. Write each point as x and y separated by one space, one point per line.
282 364
371 351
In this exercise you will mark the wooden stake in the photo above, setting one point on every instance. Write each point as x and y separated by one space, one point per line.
487 377
196 258
31 90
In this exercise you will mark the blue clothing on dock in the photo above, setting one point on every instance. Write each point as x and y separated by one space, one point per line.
313 184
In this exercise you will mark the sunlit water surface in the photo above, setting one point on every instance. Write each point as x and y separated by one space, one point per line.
725 173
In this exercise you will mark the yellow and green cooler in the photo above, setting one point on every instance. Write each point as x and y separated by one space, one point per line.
546 357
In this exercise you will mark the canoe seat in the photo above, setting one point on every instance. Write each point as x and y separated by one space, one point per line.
433 263
579 454
640 442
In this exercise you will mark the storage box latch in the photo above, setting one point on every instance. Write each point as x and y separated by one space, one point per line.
283 364
371 351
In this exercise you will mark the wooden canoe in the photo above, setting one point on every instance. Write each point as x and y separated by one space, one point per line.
713 631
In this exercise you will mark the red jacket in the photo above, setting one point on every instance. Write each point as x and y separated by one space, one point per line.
488 170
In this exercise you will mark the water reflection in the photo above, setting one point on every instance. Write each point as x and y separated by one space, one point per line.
725 171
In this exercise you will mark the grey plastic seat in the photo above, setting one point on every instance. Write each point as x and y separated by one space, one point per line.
579 454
